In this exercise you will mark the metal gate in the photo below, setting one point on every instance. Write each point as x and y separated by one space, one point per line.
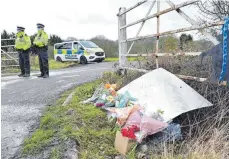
9 56
122 35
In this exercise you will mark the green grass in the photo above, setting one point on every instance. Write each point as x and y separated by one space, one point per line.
88 125
55 153
40 139
35 65
52 64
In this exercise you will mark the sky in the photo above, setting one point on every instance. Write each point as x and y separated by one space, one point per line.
85 19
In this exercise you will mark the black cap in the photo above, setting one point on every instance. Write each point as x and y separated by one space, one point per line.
39 25
20 28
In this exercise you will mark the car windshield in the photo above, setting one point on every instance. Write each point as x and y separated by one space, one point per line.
88 44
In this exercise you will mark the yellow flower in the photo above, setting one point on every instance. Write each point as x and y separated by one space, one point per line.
110 98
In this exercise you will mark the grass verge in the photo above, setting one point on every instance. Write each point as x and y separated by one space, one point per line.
84 123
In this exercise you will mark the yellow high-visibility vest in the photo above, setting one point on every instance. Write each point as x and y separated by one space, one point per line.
22 41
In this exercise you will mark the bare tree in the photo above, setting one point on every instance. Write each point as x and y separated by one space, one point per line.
213 9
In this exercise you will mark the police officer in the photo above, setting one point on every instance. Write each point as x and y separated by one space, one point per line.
22 46
41 44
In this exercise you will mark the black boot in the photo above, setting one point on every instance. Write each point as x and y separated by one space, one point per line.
46 76
40 76
21 75
26 75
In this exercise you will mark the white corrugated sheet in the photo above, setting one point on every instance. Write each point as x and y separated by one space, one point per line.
162 90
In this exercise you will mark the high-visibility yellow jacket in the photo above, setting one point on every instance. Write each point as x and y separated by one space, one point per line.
22 41
41 39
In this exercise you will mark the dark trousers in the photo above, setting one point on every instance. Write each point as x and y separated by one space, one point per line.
43 61
24 62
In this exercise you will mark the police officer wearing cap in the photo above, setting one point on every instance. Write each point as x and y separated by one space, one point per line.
41 44
22 46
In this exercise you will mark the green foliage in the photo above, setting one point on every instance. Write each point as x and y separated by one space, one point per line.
185 41
171 44
110 47
6 35
143 46
54 39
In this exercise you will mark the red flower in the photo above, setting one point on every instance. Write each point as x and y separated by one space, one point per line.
129 131
99 104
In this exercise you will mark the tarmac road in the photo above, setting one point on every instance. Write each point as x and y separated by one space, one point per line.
24 99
